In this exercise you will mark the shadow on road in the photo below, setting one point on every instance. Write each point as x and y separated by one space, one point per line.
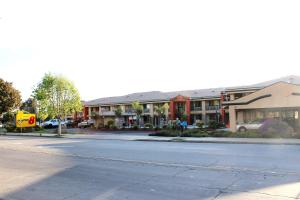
93 179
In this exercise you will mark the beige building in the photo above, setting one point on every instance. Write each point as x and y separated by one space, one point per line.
280 100
231 105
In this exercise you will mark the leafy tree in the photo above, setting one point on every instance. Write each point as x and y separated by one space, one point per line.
10 98
8 117
30 105
138 109
161 110
56 97
184 116
118 113
96 117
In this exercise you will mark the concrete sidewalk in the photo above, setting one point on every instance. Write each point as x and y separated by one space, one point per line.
110 136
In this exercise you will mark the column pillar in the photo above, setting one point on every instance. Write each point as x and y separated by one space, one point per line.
188 110
90 112
204 112
232 118
172 110
151 110
85 113
222 110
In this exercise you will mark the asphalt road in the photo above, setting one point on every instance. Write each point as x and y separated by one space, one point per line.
62 169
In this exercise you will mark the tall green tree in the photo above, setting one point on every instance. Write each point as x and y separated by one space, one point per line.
30 105
118 113
10 97
56 97
161 110
138 109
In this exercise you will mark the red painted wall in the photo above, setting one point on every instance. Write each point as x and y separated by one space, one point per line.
86 113
187 102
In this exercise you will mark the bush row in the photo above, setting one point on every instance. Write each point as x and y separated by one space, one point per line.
205 133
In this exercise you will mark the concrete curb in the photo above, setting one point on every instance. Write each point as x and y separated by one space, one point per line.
31 135
219 142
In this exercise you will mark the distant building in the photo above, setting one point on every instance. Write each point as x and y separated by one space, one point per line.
271 99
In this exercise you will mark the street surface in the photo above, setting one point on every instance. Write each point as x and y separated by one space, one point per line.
71 169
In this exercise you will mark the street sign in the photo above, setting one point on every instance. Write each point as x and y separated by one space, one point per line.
25 120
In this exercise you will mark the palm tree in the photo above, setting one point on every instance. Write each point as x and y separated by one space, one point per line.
161 110
118 113
138 109
96 117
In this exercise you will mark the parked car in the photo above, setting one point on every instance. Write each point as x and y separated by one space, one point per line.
253 125
85 123
52 123
69 122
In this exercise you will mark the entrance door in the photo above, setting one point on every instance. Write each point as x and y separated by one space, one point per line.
179 109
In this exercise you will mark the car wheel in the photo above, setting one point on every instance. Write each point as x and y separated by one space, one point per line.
242 129
49 126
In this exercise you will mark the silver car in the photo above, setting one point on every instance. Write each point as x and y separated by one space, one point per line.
85 123
252 125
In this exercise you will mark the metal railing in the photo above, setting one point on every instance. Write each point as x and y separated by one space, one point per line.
129 110
196 108
107 113
146 110
217 107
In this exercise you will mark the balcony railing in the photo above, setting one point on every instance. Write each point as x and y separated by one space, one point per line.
129 110
196 108
107 113
217 107
146 110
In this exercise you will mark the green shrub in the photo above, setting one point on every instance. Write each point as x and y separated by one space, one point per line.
165 133
157 128
135 127
220 134
8 117
110 123
200 124
215 125
277 128
176 133
184 117
148 126
114 127
247 134
203 133
10 127
39 128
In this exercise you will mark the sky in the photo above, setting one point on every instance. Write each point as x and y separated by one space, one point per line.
111 47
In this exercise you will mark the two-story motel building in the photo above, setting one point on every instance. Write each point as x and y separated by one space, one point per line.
279 98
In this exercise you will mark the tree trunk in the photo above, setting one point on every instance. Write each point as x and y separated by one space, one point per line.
59 128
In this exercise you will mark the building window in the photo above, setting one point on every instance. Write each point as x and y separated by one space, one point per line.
196 105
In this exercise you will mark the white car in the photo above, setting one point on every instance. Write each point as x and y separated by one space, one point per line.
85 123
253 125
52 123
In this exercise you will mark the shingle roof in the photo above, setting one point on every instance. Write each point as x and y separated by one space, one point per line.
288 79
143 96
165 96
155 96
